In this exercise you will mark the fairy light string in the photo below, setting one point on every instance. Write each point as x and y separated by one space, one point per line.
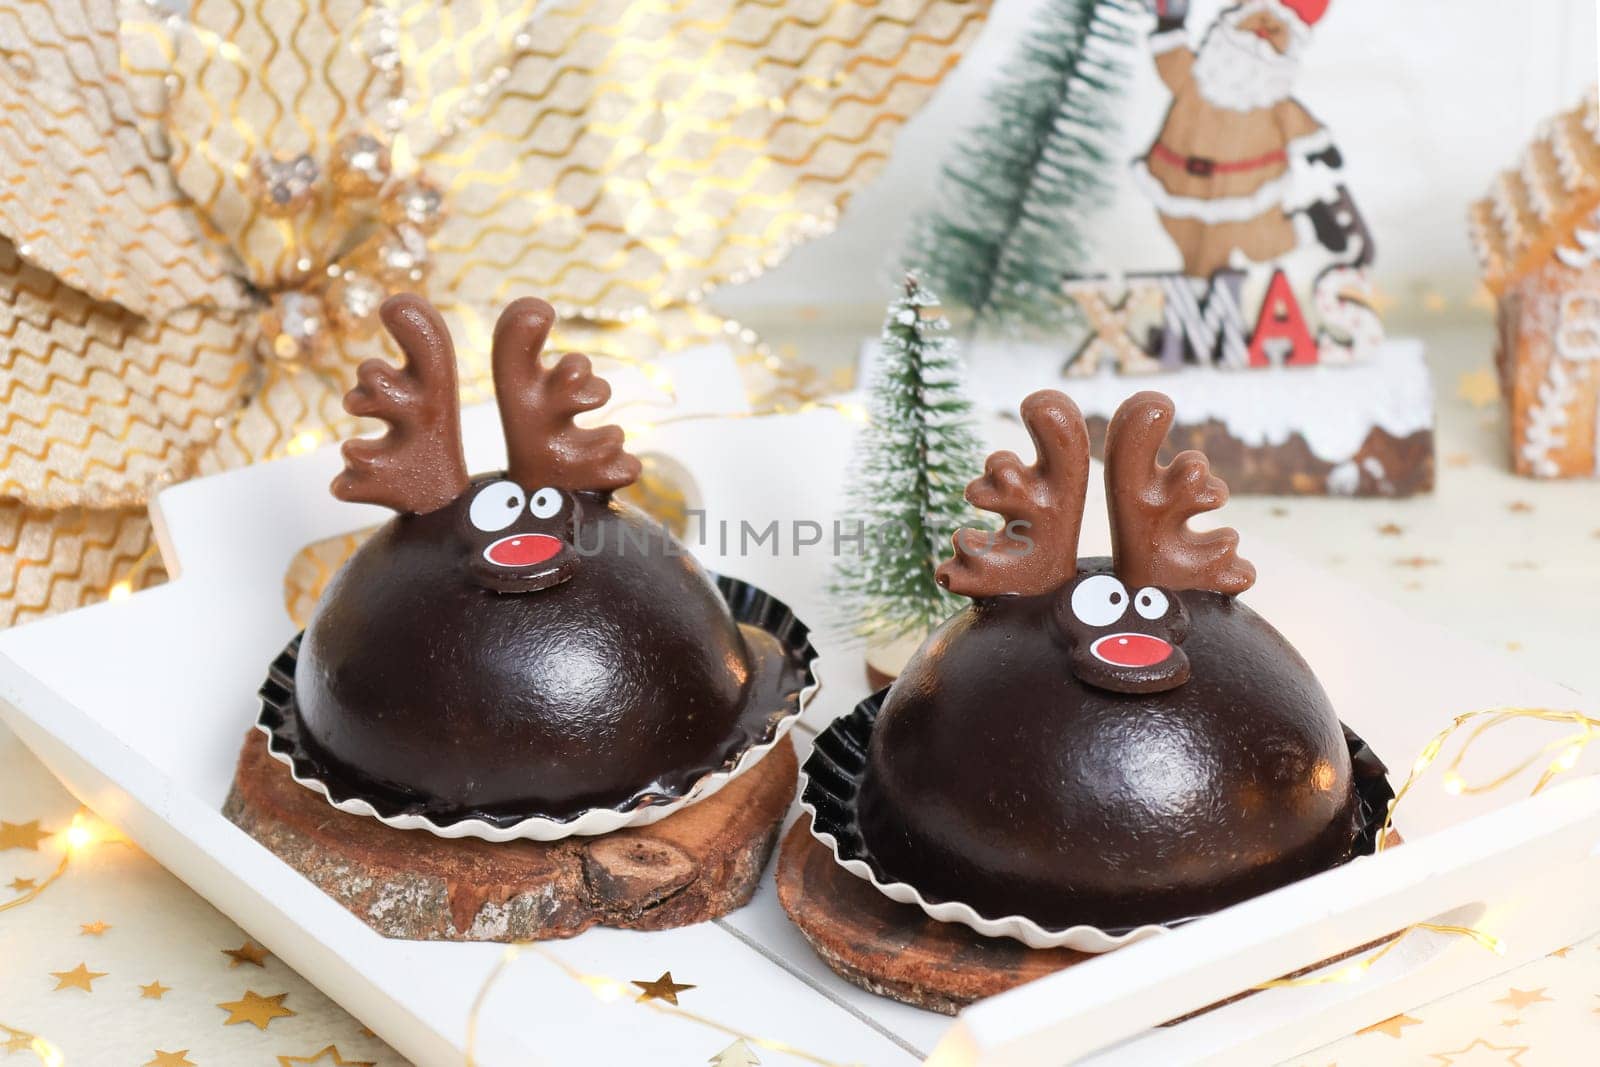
610 990
76 838
1478 725
48 1053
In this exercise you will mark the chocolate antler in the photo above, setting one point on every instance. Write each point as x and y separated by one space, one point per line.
418 465
1045 501
1151 506
537 404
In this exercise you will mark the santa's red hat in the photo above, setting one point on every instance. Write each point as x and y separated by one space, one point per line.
1309 11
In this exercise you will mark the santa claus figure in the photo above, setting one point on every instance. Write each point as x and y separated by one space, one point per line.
1237 156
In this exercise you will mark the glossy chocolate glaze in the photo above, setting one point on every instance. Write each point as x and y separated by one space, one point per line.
626 680
996 778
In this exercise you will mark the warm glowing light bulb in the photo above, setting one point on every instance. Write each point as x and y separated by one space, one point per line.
607 990
79 836
120 590
303 442
854 412
1568 758
48 1054
1454 784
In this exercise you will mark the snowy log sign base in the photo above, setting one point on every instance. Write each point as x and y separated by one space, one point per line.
695 865
1356 429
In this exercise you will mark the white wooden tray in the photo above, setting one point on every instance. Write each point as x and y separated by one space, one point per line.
140 707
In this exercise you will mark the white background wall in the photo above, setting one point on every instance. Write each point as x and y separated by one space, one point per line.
1428 99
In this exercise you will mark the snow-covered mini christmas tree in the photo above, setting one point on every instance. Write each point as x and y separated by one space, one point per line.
912 464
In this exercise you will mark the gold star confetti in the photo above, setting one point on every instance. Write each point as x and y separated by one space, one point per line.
1448 1058
1513 646
171 1059
1521 998
738 1054
1480 388
94 929
1392 1026
154 991
1391 529
21 1042
22 885
256 1009
1519 507
1458 459
80 977
26 835
663 988
1511 1023
1416 562
1561 953
249 952
321 1057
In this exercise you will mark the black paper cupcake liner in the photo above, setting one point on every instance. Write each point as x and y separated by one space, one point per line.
831 781
749 604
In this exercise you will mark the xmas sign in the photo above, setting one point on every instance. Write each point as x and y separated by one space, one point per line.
1144 323
1246 183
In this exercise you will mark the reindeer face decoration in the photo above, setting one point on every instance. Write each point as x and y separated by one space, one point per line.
1123 625
518 527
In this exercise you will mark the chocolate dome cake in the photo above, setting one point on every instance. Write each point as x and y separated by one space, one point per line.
519 643
1107 742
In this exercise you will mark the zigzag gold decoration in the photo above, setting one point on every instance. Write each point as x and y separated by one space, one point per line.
188 282
57 560
312 569
101 406
81 177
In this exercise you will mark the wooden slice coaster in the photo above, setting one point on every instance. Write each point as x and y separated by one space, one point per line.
697 864
896 951
893 949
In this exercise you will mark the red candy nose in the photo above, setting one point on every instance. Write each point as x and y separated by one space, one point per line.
522 550
1131 650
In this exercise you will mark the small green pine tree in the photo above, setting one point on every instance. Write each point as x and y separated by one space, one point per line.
1014 200
911 468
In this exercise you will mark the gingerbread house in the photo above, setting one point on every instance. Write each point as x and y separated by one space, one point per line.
1537 234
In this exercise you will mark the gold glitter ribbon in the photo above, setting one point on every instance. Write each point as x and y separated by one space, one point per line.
210 208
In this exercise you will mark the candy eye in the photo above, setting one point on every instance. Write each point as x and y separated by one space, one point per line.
496 506
1150 603
545 503
1099 600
